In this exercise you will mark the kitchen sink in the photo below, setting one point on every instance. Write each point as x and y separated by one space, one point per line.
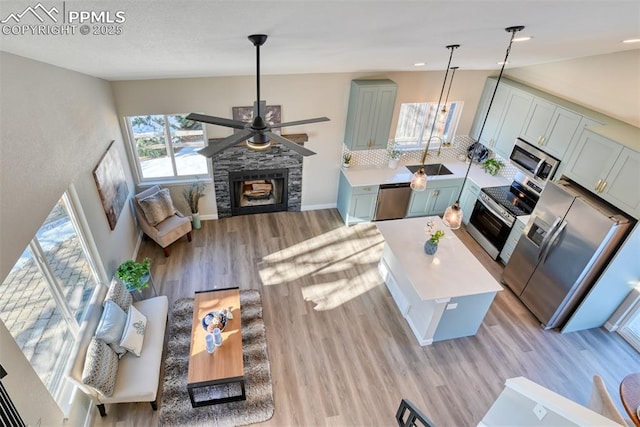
431 169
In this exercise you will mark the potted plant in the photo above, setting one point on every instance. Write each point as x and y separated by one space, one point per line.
192 194
346 160
394 156
492 166
431 245
135 275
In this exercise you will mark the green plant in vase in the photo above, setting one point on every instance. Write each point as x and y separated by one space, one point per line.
492 166
135 275
346 160
431 245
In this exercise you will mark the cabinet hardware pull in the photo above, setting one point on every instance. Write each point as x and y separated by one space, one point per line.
604 185
542 140
597 185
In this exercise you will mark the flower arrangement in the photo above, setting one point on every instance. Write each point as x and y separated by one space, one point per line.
346 159
394 152
435 235
193 193
133 274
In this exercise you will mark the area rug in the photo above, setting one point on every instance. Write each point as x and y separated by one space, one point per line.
175 406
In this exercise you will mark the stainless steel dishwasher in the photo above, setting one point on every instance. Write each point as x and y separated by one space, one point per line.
393 200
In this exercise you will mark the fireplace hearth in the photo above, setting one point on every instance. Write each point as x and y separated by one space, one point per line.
258 191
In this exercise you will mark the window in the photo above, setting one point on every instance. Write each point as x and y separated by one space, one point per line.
165 147
44 297
416 120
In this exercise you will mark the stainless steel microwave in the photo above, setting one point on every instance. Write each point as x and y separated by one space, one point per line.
533 162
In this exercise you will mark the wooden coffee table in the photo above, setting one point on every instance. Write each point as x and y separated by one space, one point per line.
224 368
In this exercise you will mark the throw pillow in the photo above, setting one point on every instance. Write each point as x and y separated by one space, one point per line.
157 207
100 367
119 294
111 326
133 335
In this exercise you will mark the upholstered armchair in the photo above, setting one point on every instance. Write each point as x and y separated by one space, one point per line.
159 219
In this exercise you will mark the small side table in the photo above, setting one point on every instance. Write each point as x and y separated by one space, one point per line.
630 396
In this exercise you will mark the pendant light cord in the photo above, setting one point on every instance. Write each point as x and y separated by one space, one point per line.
513 31
452 47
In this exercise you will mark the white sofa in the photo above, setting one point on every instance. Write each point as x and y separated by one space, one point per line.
137 377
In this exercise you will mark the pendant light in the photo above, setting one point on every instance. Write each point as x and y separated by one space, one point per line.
419 179
442 117
452 217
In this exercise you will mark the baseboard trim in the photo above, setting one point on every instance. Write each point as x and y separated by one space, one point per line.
318 207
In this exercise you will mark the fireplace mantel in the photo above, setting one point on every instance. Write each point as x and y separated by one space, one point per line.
298 138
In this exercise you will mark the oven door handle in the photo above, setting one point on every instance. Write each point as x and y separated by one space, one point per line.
495 213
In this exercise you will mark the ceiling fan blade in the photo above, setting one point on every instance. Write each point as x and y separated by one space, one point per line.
218 146
212 120
300 122
290 144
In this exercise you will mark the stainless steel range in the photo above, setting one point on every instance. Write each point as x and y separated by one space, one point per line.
496 211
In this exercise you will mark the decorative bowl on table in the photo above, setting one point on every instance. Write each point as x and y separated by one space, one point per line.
214 319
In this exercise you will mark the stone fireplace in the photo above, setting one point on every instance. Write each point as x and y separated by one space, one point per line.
258 191
278 166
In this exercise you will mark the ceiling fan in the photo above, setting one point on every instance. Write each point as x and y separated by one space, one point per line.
257 132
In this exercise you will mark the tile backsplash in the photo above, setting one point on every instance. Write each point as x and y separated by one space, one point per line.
455 151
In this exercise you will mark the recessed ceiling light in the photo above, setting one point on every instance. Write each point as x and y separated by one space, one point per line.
631 41
502 62
419 64
522 39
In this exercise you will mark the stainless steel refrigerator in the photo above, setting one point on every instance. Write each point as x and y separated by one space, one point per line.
568 240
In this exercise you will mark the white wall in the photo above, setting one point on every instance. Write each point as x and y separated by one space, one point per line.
301 96
55 125
609 83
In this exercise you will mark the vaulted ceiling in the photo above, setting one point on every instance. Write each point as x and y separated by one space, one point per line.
209 38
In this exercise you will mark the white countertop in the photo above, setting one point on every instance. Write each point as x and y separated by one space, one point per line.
452 272
381 174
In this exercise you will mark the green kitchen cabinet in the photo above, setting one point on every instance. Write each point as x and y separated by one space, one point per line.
497 108
550 127
468 198
356 204
371 105
512 241
435 199
513 118
608 169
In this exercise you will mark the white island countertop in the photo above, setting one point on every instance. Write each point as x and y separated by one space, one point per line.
452 272
381 174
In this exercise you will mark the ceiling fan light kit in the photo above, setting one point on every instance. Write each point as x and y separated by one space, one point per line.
257 133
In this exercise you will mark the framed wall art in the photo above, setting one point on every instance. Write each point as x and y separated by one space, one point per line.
112 184
271 115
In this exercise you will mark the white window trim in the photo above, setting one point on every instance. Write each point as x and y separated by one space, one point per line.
167 181
435 144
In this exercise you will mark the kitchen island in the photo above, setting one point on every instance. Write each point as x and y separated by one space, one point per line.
442 296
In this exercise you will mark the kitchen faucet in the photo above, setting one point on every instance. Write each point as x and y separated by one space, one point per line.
441 143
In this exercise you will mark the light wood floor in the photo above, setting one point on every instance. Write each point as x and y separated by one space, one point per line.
341 354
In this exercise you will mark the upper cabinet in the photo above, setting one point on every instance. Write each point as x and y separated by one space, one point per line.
507 115
513 118
371 104
608 169
550 127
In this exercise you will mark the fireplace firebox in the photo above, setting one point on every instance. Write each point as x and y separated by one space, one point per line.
258 191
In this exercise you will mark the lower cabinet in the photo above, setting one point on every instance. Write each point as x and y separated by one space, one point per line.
470 194
356 204
435 199
512 241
